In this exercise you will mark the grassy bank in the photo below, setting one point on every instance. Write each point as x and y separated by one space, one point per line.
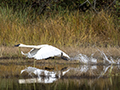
69 29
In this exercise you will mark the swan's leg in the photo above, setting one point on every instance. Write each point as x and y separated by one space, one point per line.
34 62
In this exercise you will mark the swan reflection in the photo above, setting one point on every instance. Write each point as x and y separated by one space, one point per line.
37 80
86 71
43 76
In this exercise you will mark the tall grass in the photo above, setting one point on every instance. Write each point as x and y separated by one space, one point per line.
69 29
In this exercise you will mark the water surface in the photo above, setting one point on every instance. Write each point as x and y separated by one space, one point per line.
81 73
88 77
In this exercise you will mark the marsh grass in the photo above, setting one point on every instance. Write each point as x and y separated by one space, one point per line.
68 29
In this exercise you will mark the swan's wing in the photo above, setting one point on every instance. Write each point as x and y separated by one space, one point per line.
34 51
31 53
48 51
26 54
60 51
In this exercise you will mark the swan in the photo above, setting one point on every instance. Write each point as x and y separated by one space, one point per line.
45 51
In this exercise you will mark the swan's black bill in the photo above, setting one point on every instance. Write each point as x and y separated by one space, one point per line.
17 45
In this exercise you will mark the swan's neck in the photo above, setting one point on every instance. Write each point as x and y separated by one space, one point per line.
28 46
33 46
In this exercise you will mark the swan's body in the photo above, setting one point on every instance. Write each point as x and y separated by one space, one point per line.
43 52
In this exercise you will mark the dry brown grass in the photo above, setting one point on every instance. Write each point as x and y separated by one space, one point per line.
71 29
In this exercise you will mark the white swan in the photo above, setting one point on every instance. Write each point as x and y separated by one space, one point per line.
43 52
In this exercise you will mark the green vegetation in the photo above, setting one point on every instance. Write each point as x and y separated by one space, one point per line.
59 27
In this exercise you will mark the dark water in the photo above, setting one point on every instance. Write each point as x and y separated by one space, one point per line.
82 77
112 83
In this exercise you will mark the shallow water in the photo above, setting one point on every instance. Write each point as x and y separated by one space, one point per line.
82 72
83 77
112 83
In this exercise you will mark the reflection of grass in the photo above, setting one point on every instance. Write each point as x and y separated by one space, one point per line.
63 84
70 29
10 71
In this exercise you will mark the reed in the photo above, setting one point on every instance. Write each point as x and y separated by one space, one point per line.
68 29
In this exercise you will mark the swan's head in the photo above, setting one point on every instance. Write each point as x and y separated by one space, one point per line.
19 45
